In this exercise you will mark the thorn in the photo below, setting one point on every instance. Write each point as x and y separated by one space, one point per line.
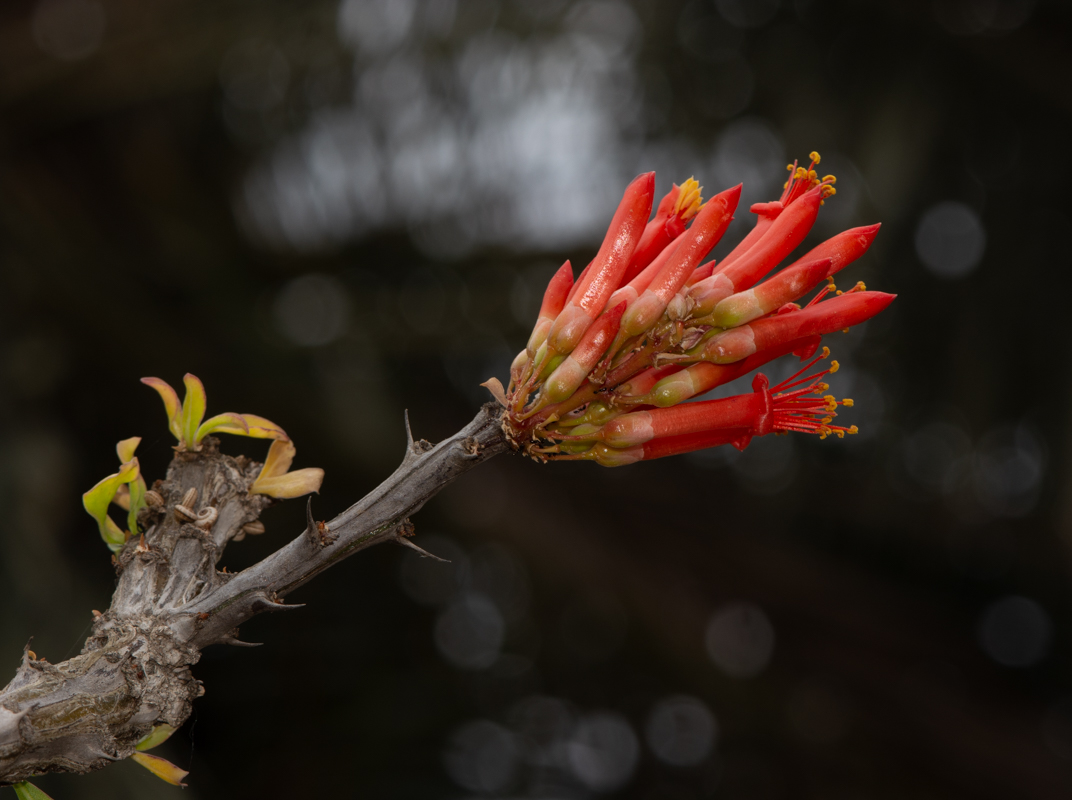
407 529
310 522
409 432
238 642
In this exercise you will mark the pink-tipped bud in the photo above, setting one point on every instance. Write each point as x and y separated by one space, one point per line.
844 248
788 285
709 292
680 205
554 299
696 243
747 411
784 234
826 317
572 372
766 213
612 260
700 378
701 272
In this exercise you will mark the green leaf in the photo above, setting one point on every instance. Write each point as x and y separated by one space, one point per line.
193 409
161 768
125 449
222 423
157 736
27 791
171 404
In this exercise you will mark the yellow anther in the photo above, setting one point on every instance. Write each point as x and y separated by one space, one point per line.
790 167
854 429
822 387
689 200
839 293
827 420
814 156
828 190
840 434
801 173
786 184
847 402
861 286
813 175
834 366
829 179
826 352
829 398
844 330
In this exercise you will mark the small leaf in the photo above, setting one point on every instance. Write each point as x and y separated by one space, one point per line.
280 457
27 791
97 500
193 409
122 497
222 423
171 404
125 449
157 736
494 385
261 428
136 502
161 768
293 484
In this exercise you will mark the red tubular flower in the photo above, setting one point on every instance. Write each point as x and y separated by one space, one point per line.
646 327
604 274
554 299
680 205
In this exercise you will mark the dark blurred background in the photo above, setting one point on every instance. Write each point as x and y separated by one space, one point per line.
334 211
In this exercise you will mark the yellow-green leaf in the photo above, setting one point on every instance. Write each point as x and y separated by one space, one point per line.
122 497
157 736
161 768
222 423
261 428
125 449
280 457
136 502
293 484
171 404
27 791
193 409
96 500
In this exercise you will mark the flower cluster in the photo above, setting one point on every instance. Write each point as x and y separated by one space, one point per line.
646 326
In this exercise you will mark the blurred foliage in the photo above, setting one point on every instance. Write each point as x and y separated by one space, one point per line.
878 617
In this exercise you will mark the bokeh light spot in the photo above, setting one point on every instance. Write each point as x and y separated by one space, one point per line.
950 240
681 731
312 310
740 640
1015 631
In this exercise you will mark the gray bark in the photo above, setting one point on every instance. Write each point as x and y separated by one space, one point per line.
171 601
